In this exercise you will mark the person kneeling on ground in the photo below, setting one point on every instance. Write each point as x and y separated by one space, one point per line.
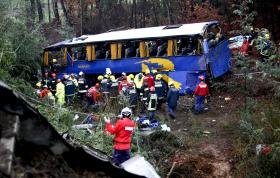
92 96
123 133
201 91
172 98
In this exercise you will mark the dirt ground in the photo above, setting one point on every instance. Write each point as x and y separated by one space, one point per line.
209 137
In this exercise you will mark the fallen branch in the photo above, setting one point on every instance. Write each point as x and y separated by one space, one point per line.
171 170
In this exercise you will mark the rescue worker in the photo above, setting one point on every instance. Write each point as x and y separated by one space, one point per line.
55 67
122 130
138 80
114 88
130 78
152 103
149 78
154 73
46 80
44 92
144 93
53 83
161 89
60 92
105 84
73 78
123 84
38 88
69 89
92 96
82 86
171 99
201 91
132 95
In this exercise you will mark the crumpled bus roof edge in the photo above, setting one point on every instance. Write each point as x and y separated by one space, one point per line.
136 34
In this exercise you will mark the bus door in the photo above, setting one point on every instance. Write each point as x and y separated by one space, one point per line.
219 59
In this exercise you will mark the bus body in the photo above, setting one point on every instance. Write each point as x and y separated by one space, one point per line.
183 70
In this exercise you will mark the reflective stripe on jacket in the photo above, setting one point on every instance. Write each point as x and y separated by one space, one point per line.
201 89
123 132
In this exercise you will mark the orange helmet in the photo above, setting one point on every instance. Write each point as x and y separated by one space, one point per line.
97 85
152 89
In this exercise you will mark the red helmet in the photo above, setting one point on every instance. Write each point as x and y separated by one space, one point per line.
53 75
152 89
201 77
97 85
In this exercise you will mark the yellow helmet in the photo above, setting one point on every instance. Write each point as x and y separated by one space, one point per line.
158 76
147 71
267 36
154 71
100 77
106 76
131 76
112 77
171 83
38 84
54 60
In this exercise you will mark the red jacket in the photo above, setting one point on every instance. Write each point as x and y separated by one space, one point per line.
150 80
201 89
92 92
123 83
123 132
44 93
245 47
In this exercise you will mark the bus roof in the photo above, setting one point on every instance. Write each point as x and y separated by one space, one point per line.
139 33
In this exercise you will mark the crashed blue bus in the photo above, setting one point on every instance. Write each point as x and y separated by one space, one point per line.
179 52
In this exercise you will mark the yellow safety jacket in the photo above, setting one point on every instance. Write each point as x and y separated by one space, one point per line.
60 93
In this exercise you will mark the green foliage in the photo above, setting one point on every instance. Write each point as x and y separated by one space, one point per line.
20 45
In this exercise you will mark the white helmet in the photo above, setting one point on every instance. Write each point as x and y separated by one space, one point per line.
66 76
126 112
81 73
108 71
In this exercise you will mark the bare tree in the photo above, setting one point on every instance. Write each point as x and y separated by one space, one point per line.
65 11
55 10
49 10
40 11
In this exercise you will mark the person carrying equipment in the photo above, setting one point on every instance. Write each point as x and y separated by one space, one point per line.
172 98
200 92
122 130
161 89
152 103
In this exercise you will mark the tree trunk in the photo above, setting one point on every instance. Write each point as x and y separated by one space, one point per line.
155 13
55 10
65 11
49 10
40 11
32 11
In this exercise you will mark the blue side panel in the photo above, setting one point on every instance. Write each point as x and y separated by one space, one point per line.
220 59
134 65
179 76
